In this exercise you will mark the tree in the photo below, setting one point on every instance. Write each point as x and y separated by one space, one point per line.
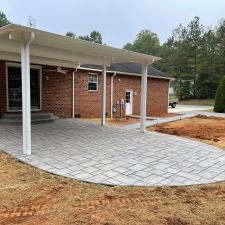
85 37
95 36
70 34
3 20
208 75
194 38
193 53
146 42
174 61
220 97
220 39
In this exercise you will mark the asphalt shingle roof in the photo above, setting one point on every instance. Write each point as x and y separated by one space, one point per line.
128 68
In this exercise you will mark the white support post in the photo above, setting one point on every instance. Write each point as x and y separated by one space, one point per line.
103 94
26 106
73 101
144 80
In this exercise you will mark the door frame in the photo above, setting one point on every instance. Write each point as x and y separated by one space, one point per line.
131 100
18 65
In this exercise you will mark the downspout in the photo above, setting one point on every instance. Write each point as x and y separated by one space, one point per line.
112 94
73 92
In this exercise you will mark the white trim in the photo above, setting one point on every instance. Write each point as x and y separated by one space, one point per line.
93 82
131 100
125 73
18 65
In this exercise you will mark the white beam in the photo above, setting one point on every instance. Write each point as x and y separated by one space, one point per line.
103 94
144 80
53 53
37 60
26 106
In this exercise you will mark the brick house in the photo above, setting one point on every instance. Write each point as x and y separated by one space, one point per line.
46 72
52 91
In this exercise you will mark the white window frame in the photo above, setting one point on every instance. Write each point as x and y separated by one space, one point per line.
18 65
131 100
96 74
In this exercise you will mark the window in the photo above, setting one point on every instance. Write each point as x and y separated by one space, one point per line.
14 87
128 93
92 82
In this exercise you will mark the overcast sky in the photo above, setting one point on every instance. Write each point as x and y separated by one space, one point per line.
118 20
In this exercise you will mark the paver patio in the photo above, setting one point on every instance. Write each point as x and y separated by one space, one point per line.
116 156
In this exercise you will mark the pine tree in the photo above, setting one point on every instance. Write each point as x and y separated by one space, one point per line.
220 97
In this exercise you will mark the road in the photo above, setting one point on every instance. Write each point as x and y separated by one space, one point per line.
188 108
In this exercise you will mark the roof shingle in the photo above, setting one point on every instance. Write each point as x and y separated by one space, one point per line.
128 68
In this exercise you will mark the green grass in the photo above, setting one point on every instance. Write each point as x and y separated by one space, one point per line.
202 102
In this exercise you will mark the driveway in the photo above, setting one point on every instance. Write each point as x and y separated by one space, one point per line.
188 108
116 156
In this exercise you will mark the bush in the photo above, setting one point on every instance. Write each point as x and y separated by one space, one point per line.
220 97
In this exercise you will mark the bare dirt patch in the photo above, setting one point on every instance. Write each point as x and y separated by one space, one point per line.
120 121
30 196
210 130
126 120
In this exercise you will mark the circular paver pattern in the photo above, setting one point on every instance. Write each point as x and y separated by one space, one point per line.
116 156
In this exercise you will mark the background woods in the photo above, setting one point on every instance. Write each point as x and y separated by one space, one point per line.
193 55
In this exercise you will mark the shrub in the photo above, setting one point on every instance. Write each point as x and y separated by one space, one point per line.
220 97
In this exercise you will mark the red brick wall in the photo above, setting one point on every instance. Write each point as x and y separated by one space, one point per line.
56 92
88 104
2 87
157 99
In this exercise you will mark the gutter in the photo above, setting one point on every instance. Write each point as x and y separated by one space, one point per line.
111 106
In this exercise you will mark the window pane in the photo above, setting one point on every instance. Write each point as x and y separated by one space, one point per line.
93 82
92 86
127 97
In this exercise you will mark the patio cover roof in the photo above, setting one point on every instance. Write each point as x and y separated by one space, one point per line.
28 45
58 50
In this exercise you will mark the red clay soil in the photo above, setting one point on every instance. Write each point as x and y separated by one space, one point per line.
117 121
208 129
29 196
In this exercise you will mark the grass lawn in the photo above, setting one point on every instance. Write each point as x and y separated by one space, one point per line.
30 196
201 102
210 130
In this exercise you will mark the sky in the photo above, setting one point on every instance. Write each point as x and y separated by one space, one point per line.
118 20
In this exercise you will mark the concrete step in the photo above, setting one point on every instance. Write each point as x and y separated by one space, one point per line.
35 118
36 115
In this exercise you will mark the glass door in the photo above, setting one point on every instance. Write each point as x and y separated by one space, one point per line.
15 89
